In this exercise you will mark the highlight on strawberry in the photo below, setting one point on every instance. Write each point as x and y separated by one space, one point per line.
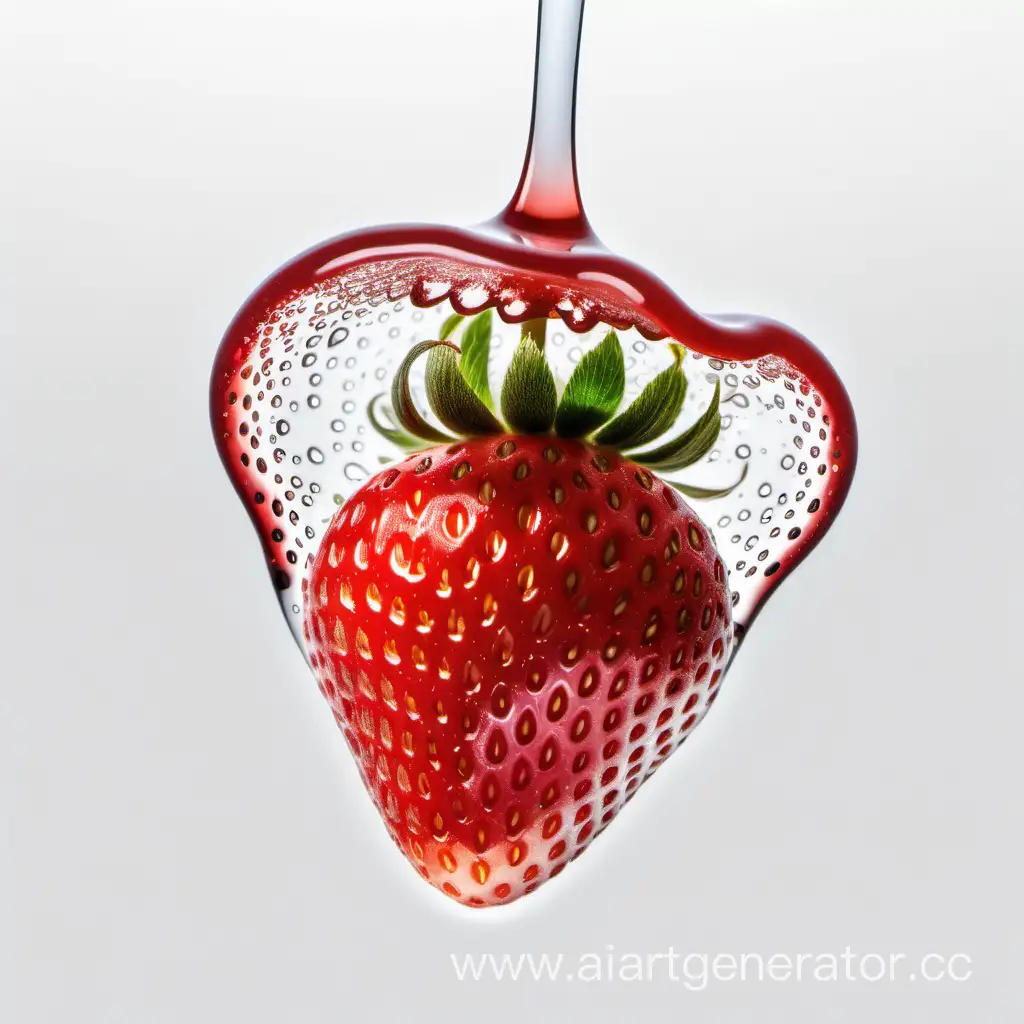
517 623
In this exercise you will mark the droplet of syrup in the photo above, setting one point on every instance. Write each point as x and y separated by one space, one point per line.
321 336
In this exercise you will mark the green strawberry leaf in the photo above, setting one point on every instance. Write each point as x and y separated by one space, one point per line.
652 412
709 493
448 327
391 432
528 394
401 397
594 391
689 447
452 398
476 351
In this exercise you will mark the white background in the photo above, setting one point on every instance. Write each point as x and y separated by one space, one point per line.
184 837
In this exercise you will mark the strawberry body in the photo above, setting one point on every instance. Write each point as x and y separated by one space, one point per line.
513 633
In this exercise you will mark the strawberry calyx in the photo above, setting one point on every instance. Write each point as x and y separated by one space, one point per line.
458 393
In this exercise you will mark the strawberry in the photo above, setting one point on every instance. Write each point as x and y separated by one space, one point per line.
514 628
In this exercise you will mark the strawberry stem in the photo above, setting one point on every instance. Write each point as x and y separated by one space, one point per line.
537 330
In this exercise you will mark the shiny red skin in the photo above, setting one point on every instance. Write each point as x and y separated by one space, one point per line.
513 634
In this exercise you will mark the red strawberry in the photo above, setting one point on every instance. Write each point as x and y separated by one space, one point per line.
514 631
